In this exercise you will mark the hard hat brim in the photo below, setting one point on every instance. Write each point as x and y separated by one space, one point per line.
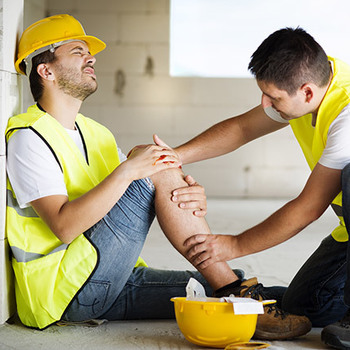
95 46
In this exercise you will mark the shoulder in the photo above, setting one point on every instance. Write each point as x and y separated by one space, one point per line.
24 138
341 122
26 144
25 119
337 150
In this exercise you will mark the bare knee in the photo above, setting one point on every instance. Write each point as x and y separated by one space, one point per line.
169 179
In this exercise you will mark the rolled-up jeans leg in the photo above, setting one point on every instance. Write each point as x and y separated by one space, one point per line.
118 238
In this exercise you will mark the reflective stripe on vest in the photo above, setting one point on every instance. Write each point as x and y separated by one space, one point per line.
12 203
22 256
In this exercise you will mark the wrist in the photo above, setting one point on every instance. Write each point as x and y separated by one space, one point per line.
124 172
180 153
235 248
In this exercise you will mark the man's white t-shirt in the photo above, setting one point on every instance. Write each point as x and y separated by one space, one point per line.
336 154
32 168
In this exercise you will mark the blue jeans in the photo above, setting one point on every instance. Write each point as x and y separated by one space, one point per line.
321 288
116 290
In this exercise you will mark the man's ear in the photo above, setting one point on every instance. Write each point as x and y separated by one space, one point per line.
308 92
45 72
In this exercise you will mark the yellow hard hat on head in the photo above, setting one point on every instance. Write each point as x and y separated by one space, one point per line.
44 34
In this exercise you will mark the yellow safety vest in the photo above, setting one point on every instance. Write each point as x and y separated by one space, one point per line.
313 139
48 273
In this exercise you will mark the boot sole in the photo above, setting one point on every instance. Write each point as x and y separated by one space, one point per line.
334 341
263 335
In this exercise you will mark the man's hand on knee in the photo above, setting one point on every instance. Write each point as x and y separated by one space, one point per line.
191 197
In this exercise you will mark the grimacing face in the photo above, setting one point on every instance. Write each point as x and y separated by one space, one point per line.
74 70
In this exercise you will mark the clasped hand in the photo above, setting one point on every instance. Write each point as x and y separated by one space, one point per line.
146 160
206 249
191 197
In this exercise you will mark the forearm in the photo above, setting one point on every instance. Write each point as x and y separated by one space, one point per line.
320 190
228 136
220 139
203 250
278 228
71 218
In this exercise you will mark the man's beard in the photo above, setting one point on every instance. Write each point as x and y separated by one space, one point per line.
70 82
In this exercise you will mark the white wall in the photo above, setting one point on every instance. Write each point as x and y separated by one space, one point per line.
177 108
33 11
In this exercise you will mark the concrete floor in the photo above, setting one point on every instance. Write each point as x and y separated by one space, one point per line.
274 267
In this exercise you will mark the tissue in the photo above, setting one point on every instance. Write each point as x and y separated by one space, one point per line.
241 306
195 291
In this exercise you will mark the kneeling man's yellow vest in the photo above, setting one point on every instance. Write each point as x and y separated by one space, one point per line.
313 139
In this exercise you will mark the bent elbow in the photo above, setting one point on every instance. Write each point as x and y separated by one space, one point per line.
313 215
307 211
65 240
63 234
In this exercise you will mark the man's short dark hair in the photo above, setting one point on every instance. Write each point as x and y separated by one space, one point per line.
35 79
289 58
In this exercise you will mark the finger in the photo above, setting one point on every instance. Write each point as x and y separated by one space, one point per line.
132 150
189 190
195 239
190 180
193 205
189 197
157 150
167 161
159 159
166 166
203 265
201 260
137 148
158 141
164 157
196 251
200 213
198 210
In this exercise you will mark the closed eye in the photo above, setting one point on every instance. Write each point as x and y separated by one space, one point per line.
78 50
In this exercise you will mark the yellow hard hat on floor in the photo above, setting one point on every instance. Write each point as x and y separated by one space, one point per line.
49 33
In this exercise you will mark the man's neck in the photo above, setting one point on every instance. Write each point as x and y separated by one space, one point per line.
64 110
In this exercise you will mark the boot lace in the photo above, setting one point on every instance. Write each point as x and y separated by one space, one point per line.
278 312
255 292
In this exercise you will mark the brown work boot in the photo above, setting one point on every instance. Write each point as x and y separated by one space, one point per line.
274 323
